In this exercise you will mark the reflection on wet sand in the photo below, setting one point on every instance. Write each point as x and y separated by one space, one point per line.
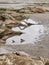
31 34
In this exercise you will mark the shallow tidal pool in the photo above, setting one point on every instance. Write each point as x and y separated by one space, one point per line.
31 35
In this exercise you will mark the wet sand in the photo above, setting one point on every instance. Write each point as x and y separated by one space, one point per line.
33 50
41 18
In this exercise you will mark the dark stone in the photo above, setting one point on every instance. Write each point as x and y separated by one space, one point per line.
22 40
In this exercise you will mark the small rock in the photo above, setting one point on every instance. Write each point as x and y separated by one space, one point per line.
21 53
13 41
22 40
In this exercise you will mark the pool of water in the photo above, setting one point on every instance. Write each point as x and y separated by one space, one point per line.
31 35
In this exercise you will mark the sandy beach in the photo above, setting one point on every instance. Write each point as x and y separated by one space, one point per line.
39 48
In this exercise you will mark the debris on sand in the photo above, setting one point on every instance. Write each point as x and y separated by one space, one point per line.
10 20
35 9
25 10
7 33
16 59
21 53
18 16
10 23
22 40
30 10
26 22
38 10
2 42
